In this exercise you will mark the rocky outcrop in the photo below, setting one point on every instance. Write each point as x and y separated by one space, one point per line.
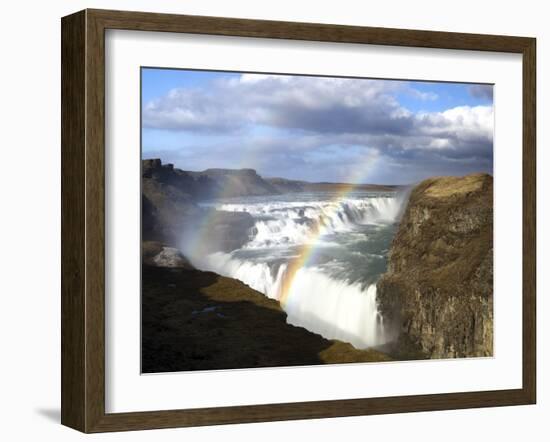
170 212
209 183
157 254
437 292
167 201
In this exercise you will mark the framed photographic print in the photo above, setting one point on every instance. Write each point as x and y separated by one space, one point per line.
270 220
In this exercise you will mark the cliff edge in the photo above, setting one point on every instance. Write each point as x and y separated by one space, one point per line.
438 290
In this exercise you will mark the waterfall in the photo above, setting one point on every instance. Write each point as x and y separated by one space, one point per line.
323 302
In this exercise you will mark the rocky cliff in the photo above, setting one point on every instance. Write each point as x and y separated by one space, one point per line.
209 183
167 201
229 183
438 289
171 214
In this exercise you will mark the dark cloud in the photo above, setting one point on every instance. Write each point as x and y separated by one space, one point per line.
483 91
310 104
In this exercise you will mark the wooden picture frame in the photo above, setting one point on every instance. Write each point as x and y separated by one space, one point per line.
83 220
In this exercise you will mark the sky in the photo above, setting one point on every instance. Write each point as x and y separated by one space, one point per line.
318 129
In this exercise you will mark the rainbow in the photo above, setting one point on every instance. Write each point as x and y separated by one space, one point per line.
307 251
248 162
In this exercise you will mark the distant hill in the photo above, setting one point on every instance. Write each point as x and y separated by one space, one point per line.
226 183
235 182
289 186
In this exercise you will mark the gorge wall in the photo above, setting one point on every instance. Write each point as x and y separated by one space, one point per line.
171 214
437 292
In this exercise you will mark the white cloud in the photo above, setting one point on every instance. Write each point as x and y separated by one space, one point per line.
311 115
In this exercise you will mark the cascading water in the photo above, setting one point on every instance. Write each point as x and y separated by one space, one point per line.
320 254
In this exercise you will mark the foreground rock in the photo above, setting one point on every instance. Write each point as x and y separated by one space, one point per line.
438 290
194 320
156 254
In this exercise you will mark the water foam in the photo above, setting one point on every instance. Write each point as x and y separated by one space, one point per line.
334 308
290 223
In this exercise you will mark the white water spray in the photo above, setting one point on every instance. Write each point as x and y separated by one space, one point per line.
334 308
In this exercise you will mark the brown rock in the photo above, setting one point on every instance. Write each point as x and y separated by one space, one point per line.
438 290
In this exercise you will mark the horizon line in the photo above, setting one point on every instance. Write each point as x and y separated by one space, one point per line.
309 182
